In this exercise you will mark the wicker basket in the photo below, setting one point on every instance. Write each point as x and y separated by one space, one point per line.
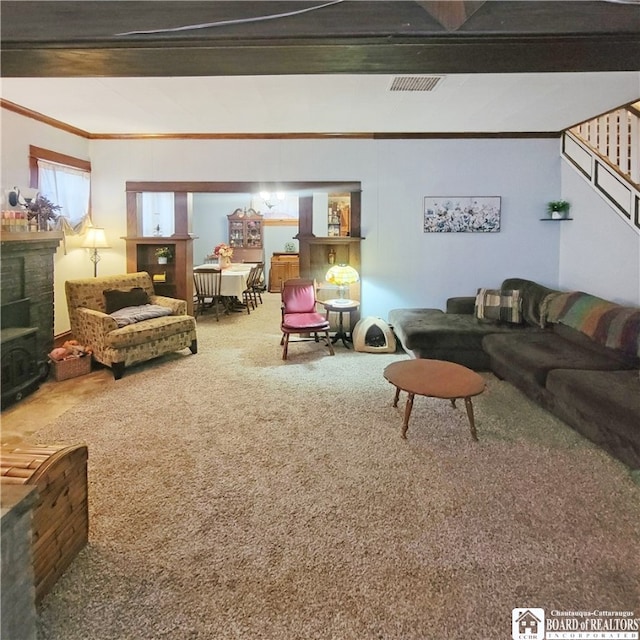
71 367
60 525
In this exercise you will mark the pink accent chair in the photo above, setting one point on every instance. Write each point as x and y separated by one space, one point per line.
299 314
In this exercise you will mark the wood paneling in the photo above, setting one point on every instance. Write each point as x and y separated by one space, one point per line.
82 39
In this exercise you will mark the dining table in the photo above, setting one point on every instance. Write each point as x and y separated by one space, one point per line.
234 278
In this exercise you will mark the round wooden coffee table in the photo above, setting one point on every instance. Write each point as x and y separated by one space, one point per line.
435 379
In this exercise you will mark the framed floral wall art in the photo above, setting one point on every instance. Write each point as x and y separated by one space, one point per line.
453 214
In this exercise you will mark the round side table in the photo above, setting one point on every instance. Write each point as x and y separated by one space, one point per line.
340 306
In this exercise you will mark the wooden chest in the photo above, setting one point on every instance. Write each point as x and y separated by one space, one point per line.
60 526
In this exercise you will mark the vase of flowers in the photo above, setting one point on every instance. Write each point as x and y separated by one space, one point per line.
223 252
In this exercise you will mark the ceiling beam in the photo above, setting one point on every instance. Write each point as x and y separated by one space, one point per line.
463 54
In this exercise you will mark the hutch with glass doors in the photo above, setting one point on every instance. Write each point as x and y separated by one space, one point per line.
163 249
246 235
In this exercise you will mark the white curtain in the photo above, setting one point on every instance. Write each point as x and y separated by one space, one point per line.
69 188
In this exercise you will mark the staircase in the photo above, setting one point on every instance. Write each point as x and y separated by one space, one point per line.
606 150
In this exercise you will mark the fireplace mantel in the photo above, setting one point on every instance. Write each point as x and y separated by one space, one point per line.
32 236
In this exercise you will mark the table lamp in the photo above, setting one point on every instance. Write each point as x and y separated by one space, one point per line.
94 240
342 275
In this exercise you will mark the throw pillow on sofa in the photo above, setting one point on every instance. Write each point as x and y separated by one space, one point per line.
116 299
495 305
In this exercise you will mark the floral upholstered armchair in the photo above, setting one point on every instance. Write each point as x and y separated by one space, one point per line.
150 326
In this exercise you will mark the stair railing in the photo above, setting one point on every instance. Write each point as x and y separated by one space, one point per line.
615 136
606 150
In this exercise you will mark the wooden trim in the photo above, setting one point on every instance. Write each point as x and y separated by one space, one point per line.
311 239
181 214
616 176
241 187
32 236
61 338
363 135
232 136
59 158
566 154
280 222
466 135
290 135
34 115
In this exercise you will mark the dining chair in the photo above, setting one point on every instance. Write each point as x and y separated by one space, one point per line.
259 286
299 314
207 283
249 295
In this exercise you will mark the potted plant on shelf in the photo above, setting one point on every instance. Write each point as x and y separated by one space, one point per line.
164 254
558 209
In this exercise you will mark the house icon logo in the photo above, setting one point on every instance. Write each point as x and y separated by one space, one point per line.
527 624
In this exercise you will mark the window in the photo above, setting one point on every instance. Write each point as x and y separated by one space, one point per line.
66 181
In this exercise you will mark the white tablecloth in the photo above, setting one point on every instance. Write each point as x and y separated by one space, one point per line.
234 278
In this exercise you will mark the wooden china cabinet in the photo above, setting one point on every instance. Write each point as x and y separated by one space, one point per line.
175 278
246 235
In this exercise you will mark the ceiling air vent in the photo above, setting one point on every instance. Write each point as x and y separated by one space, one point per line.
415 83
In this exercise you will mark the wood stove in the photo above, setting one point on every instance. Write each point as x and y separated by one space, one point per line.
21 372
26 299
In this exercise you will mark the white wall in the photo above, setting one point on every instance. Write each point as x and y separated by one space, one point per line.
18 133
599 251
406 267
401 265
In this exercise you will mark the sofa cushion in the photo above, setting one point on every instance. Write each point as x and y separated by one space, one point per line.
498 305
430 333
602 405
131 315
116 299
532 295
149 331
529 356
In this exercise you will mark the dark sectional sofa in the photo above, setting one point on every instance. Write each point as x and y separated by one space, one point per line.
576 355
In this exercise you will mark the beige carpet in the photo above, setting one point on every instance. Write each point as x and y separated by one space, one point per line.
234 495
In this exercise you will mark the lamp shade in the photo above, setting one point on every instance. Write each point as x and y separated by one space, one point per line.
95 239
342 275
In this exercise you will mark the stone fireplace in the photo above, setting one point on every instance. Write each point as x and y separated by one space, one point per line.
26 297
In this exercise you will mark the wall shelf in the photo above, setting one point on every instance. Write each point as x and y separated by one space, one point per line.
555 219
344 249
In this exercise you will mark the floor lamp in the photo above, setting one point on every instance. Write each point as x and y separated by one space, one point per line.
94 240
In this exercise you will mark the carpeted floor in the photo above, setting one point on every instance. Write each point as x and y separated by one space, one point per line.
234 495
